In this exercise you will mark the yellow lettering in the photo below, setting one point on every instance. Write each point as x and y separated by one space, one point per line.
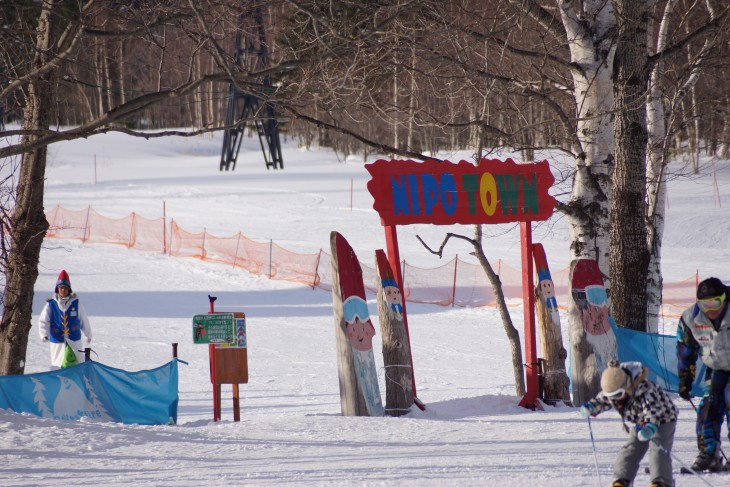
488 193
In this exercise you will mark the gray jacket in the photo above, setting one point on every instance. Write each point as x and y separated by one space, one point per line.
695 326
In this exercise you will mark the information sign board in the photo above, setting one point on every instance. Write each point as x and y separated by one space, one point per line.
215 328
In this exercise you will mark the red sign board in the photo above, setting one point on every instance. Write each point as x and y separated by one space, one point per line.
444 193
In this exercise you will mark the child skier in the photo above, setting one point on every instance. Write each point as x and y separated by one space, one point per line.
624 387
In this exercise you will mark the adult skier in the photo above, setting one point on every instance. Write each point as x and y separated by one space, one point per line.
704 332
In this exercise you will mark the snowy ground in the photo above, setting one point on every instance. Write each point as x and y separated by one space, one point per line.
291 432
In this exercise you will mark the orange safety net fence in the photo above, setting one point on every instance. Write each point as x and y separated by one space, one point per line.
455 283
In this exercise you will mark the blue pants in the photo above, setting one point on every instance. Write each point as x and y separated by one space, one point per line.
712 411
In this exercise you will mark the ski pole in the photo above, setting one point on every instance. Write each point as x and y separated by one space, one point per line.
697 411
680 462
595 454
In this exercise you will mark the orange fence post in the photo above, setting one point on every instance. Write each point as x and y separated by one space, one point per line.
164 228
316 270
86 224
202 247
169 248
131 231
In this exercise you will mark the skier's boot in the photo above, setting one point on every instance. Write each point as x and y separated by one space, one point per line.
620 483
707 462
658 483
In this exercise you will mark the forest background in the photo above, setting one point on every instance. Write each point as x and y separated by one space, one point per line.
618 86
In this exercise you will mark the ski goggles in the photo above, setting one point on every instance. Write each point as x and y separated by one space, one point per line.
596 295
617 394
711 304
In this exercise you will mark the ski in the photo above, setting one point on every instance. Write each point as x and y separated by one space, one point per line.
685 470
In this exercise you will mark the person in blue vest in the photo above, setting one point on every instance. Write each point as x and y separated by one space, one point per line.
64 320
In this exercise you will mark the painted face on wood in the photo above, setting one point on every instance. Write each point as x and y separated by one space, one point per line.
392 295
547 288
360 331
594 313
360 334
595 320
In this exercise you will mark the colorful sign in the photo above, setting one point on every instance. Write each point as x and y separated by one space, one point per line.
444 193
241 332
217 328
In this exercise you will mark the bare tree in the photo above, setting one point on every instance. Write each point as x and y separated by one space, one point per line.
665 96
43 46
509 328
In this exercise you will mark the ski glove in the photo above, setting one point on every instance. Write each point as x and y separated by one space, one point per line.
685 389
646 432
587 409
686 378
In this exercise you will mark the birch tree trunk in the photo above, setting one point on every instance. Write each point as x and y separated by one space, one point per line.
656 176
724 150
658 143
591 52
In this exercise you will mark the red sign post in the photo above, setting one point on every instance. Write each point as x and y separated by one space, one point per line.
444 193
225 335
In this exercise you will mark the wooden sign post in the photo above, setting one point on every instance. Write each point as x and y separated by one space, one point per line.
444 193
225 335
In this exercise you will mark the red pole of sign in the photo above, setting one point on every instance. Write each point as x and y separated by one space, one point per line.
391 243
528 297
211 359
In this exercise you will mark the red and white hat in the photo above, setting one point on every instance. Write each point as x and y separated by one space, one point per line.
63 280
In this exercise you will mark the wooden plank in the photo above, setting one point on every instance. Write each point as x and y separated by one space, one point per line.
359 390
555 379
231 365
236 404
396 347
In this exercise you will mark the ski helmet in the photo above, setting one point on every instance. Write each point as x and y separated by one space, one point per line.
711 287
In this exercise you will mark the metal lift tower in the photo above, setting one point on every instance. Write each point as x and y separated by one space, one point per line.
251 54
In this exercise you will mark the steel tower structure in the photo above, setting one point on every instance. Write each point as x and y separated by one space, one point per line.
251 54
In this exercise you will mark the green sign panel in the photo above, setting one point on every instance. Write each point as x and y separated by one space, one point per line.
214 328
